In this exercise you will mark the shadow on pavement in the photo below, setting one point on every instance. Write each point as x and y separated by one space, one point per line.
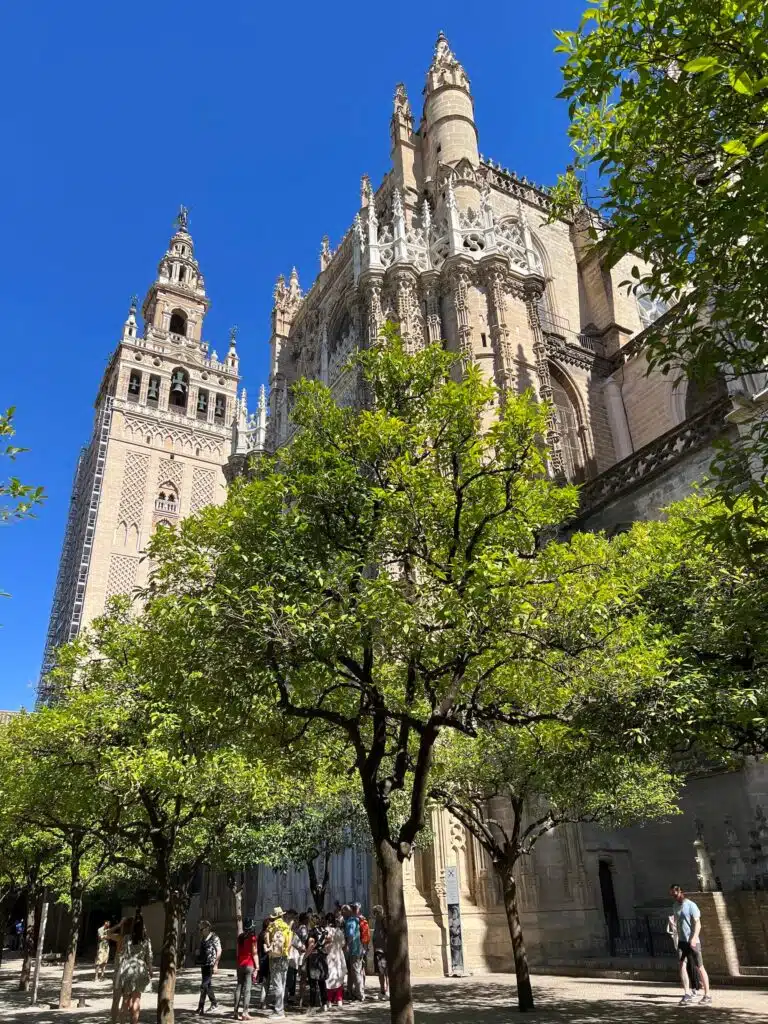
474 1001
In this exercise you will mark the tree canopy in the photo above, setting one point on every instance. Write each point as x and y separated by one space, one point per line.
392 574
669 103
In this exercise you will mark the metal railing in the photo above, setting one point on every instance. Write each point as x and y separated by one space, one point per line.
640 936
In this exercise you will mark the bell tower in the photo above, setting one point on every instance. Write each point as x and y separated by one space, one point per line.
164 421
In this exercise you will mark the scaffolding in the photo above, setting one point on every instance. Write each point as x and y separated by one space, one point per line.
75 562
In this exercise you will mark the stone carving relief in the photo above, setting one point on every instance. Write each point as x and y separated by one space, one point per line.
135 474
509 238
203 488
122 575
172 472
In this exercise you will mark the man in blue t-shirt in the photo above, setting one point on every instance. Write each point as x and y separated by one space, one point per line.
355 953
688 924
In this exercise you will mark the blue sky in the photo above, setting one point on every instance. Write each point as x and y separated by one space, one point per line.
261 119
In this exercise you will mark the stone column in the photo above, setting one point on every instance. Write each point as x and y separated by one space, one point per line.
617 418
532 297
503 361
432 294
375 315
460 284
409 310
324 352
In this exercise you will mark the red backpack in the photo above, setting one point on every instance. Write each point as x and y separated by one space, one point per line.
365 931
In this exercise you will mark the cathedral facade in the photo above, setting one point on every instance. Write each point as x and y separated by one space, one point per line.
454 248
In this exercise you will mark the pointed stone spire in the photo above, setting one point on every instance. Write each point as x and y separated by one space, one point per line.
240 440
401 125
129 327
325 253
445 68
398 228
260 431
294 291
358 246
232 357
366 192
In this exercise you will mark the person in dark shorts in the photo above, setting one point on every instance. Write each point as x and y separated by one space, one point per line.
688 923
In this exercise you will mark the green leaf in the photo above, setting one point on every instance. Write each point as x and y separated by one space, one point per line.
742 82
735 147
701 64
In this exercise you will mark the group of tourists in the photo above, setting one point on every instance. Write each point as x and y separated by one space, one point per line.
295 955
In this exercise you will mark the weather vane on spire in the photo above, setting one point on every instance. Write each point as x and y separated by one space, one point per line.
182 217
233 335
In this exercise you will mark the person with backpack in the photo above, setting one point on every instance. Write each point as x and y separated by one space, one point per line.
277 945
247 968
355 952
316 966
208 961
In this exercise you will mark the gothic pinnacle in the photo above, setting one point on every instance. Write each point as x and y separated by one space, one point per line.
182 218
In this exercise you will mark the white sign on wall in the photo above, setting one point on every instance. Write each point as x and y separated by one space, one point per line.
451 884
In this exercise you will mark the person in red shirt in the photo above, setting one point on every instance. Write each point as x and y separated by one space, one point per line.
247 968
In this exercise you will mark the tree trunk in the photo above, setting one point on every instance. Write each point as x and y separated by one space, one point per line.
29 945
40 948
317 888
75 917
65 992
166 986
524 990
398 959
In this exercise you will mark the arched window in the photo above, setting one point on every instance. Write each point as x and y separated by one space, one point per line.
202 404
569 429
182 274
179 322
134 386
167 499
177 397
649 308
153 390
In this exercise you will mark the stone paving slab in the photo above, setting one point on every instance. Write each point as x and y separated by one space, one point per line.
484 999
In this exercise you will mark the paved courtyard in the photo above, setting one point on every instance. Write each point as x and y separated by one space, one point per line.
488 999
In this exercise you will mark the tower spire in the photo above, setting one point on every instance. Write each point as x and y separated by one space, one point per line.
176 302
449 114
445 69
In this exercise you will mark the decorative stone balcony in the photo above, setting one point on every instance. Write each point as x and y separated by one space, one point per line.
655 458
167 507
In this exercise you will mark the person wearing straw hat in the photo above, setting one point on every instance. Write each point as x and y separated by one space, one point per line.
278 945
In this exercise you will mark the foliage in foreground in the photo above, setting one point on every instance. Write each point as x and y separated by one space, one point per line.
669 102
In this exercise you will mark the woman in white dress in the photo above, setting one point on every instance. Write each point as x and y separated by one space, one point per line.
337 965
135 969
